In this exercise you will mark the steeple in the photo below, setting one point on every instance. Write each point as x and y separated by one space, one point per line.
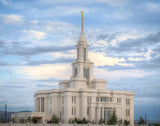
82 68
82 32
82 39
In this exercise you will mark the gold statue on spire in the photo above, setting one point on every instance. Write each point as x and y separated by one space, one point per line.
81 12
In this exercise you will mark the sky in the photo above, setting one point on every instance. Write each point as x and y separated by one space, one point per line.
38 44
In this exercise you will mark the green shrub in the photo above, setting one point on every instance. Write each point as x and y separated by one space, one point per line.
34 120
78 121
101 121
126 122
54 119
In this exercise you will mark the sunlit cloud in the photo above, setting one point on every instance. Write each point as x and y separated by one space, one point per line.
12 19
34 34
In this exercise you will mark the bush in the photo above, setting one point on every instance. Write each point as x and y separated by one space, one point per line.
78 121
113 119
34 120
101 121
54 119
120 122
22 120
126 122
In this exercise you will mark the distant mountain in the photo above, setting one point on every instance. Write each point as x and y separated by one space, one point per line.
2 113
148 122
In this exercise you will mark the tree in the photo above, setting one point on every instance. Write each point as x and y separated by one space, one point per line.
113 119
126 122
54 119
34 120
141 120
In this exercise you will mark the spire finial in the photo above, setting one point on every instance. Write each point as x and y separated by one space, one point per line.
82 23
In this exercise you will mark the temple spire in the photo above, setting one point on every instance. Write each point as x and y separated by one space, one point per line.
82 23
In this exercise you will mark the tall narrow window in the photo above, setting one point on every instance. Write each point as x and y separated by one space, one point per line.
77 53
127 112
84 54
118 100
75 72
42 104
127 101
85 72
88 111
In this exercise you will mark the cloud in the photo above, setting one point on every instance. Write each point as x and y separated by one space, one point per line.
108 2
5 2
12 19
2 63
138 44
58 60
116 74
1 99
46 71
100 59
34 34
153 7
23 51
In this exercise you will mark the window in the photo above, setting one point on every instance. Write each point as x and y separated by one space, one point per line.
75 72
127 112
77 53
110 99
97 99
88 111
106 99
118 100
85 72
101 113
73 99
42 104
62 99
89 99
127 101
84 54
62 110
73 111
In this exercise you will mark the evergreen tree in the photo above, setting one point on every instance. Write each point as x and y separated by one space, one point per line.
113 119
141 120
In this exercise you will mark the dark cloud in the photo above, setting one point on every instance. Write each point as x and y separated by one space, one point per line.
24 48
23 51
138 45
3 63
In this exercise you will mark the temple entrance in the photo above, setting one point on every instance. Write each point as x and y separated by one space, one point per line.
107 114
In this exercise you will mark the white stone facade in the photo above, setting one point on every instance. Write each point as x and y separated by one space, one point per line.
83 95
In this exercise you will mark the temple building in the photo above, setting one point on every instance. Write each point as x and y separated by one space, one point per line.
82 96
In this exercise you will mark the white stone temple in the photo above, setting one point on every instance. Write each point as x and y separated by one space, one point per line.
82 95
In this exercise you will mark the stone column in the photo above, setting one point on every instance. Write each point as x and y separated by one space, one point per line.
40 104
98 114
